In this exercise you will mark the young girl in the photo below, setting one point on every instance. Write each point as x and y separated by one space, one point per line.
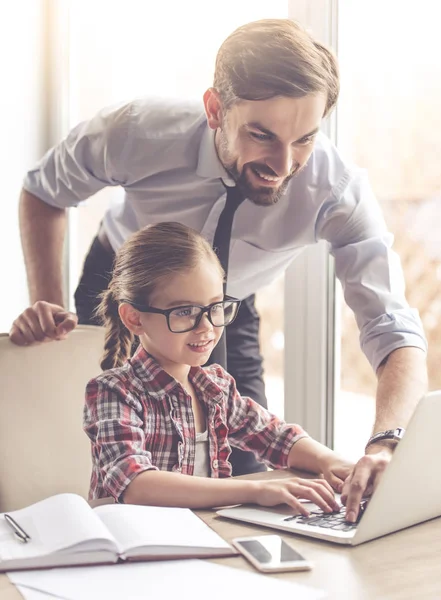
161 425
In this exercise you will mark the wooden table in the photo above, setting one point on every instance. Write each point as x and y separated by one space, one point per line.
402 566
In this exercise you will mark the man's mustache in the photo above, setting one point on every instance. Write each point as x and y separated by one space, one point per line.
266 170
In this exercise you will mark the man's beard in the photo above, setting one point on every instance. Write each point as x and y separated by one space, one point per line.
261 196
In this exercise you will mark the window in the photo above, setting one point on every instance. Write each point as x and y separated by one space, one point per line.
24 139
389 123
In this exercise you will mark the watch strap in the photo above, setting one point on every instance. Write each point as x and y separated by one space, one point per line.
390 435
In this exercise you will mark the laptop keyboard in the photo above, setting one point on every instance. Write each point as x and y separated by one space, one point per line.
335 520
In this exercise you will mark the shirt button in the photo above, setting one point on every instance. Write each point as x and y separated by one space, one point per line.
215 463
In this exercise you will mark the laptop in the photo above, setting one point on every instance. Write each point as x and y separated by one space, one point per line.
408 493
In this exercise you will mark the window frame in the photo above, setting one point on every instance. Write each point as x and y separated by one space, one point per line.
311 350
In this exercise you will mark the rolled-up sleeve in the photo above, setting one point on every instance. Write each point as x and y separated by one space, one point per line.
91 157
369 270
113 422
251 427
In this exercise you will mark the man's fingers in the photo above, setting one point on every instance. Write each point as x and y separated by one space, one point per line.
353 500
26 330
355 487
48 315
31 321
42 322
363 482
16 336
65 323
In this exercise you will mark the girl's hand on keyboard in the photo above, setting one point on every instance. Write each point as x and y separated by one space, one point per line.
336 470
290 491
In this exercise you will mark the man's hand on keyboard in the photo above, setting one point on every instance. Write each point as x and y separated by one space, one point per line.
363 481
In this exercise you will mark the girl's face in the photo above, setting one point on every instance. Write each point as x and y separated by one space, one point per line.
199 286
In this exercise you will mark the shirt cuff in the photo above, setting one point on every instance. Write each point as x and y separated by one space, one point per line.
389 332
122 474
283 463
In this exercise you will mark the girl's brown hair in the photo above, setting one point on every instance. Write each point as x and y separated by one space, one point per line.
144 260
274 57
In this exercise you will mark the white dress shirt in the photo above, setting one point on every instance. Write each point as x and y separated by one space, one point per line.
162 153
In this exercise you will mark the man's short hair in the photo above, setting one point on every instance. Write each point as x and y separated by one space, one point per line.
274 57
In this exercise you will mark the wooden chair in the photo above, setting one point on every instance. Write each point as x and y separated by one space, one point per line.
43 448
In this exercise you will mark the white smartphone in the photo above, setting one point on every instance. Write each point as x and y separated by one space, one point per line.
271 554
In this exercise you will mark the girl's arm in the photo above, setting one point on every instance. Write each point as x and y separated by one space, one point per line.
275 442
310 455
162 488
113 421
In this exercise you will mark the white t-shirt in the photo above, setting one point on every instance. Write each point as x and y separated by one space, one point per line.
202 457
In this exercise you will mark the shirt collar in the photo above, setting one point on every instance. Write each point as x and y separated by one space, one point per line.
209 165
159 383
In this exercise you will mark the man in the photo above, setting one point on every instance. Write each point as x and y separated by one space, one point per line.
258 130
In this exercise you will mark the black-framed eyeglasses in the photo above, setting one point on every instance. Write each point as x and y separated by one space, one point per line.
181 319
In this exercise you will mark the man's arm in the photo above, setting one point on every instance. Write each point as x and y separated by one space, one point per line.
87 160
374 288
402 381
42 230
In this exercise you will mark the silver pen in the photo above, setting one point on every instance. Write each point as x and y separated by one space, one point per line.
19 532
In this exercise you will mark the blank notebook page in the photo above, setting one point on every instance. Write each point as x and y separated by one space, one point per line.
136 526
57 522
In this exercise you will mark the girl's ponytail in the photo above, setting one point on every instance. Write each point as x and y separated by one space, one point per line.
118 339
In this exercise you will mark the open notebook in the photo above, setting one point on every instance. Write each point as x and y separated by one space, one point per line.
65 531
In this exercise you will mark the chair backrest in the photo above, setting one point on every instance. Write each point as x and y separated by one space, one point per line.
43 448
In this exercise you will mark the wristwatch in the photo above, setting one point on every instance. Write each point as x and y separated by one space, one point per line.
391 437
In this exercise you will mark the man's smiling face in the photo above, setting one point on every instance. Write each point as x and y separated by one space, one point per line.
264 143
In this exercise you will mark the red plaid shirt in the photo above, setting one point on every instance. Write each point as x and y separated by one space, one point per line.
139 418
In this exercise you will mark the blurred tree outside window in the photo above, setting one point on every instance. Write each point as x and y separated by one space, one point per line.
389 122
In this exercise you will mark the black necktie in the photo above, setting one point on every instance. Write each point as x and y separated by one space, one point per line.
221 245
